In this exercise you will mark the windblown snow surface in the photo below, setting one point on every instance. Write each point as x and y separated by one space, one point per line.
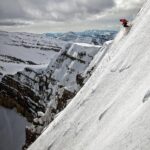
112 110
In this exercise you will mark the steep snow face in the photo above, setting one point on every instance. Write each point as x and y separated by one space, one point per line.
111 112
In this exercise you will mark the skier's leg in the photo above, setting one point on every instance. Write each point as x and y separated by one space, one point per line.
125 25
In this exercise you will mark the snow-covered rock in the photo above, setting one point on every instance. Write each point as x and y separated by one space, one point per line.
111 111
34 88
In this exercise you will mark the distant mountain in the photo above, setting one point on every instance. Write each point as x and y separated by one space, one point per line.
96 37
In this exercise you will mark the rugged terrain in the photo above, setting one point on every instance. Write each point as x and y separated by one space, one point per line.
40 74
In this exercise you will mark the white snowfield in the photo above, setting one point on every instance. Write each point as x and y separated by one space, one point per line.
20 50
112 110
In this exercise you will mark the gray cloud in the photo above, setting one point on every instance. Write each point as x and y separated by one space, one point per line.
81 12
51 9
11 10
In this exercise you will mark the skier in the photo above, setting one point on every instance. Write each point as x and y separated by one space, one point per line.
124 22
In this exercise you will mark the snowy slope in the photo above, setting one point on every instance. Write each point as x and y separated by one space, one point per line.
111 112
20 50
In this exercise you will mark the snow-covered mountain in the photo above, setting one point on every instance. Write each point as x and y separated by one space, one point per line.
20 50
112 110
41 74
96 37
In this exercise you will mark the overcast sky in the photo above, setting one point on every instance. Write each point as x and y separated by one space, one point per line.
65 15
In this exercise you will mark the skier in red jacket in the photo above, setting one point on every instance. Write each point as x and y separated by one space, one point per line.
124 22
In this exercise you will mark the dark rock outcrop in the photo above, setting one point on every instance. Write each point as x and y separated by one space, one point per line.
15 94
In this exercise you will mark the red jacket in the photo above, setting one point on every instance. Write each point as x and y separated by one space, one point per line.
124 21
